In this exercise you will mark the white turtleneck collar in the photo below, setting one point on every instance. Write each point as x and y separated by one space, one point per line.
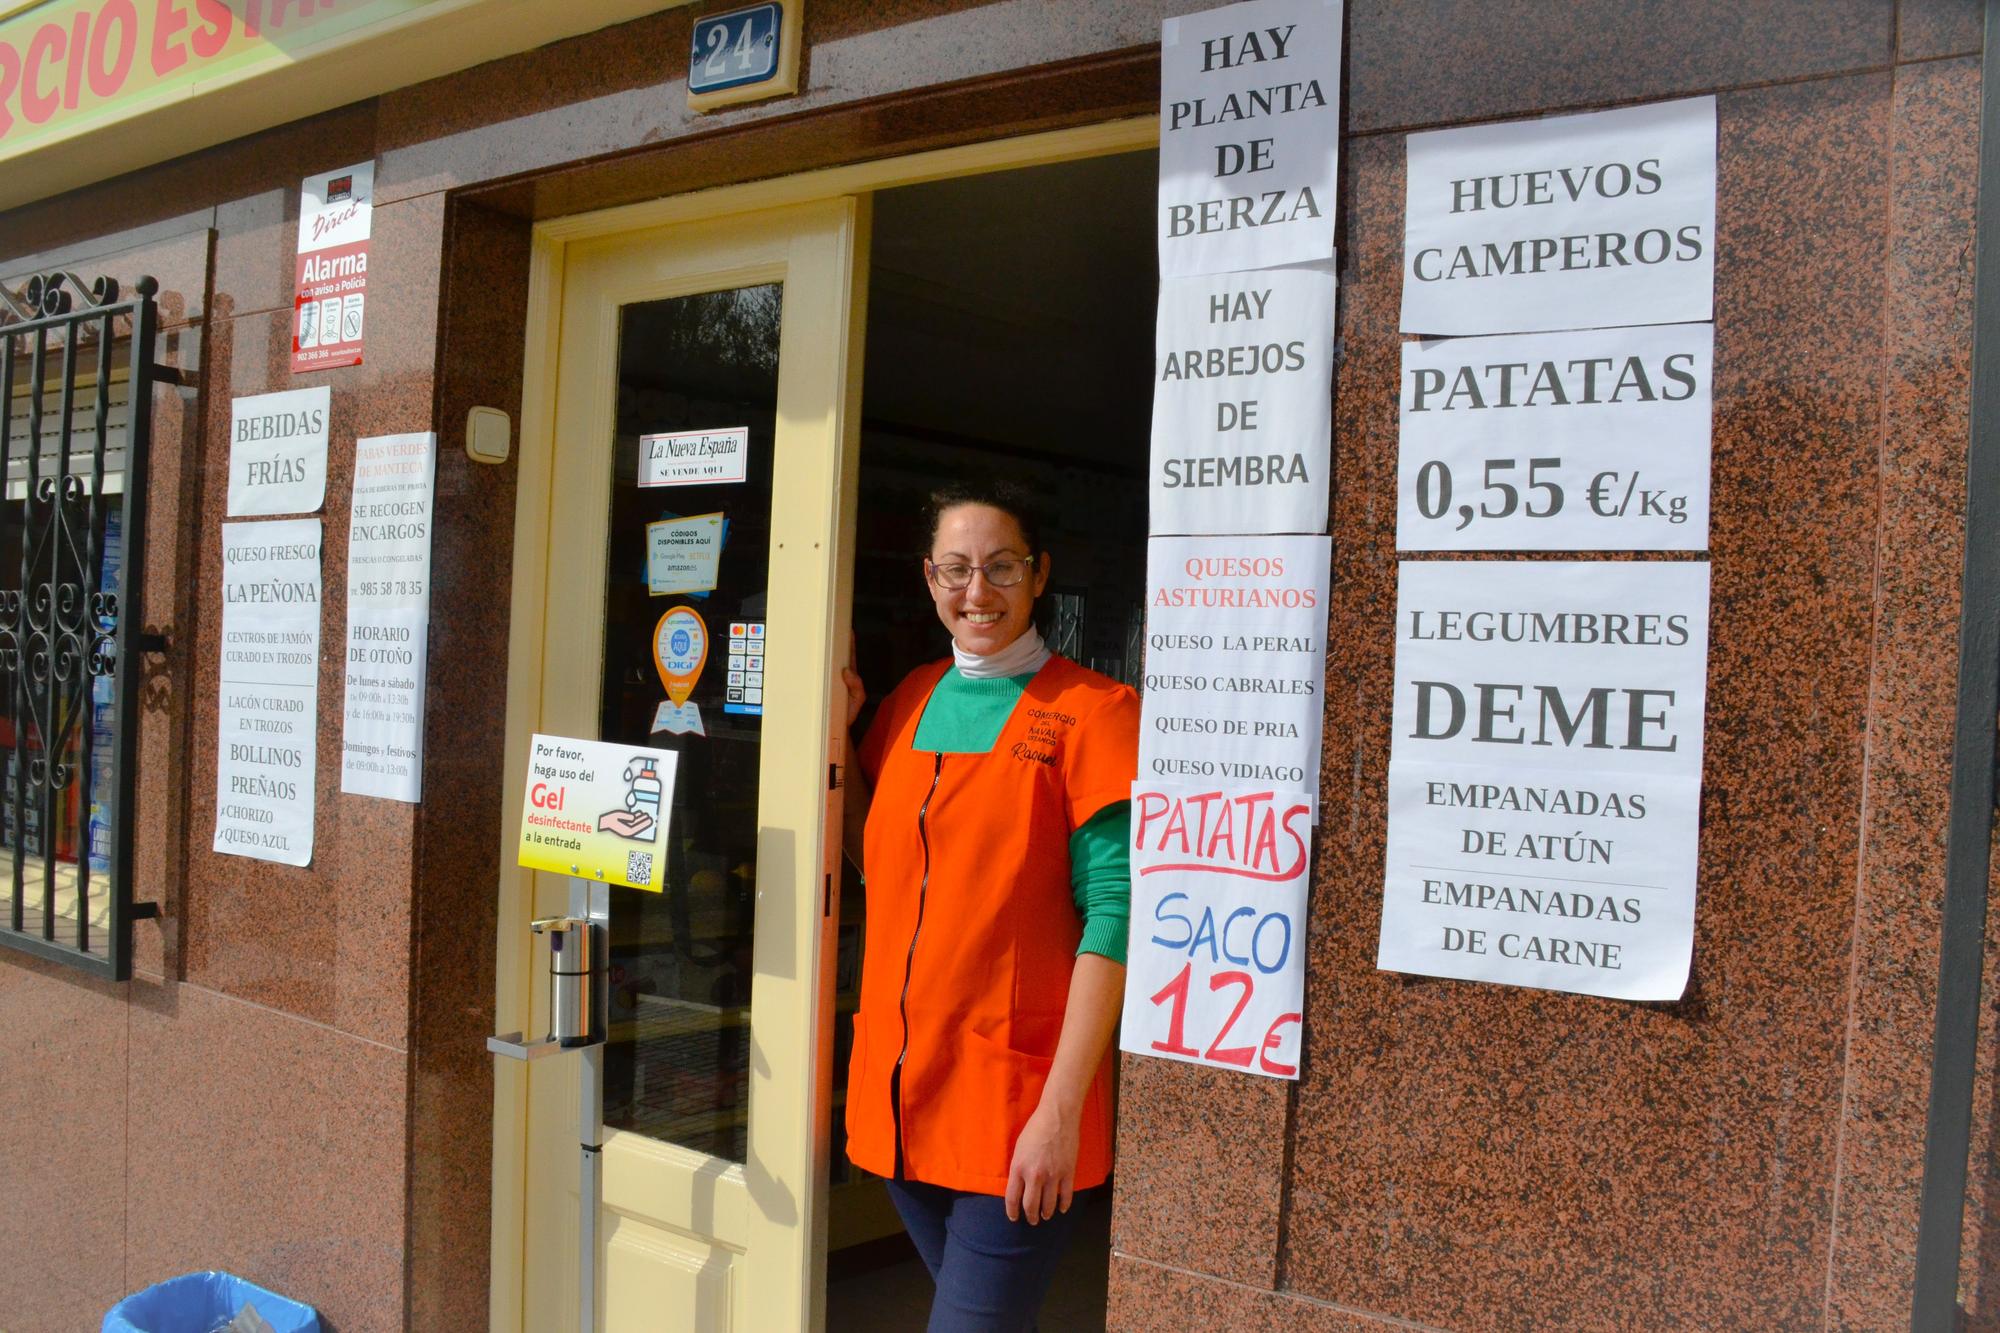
1022 657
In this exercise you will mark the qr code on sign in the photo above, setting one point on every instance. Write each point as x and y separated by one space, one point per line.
638 867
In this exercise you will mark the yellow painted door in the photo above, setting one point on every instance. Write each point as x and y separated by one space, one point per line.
700 454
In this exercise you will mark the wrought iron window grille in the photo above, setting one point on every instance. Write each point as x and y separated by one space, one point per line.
72 545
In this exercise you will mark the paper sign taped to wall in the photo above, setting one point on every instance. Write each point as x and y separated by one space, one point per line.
1216 962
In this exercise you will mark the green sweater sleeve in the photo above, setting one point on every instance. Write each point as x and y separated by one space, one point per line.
1100 875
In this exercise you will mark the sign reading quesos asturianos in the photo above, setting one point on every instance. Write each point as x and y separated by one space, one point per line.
1249 136
1573 222
1545 774
267 725
1216 968
277 452
336 213
1242 413
1235 660
1588 441
388 615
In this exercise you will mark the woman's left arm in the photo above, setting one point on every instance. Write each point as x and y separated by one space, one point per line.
1043 1175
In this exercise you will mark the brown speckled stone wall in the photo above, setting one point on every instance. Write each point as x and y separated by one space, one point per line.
1475 1157
293 1085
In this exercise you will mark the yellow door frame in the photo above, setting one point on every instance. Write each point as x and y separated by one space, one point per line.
515 981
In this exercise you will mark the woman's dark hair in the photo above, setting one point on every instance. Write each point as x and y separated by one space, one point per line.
1009 497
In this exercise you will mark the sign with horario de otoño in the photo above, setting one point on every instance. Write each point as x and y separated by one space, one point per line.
336 212
1545 774
1571 222
1249 136
1242 420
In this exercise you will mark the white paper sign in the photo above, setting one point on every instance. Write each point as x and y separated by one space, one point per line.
277 452
1590 441
388 615
1235 660
1242 403
1216 962
267 724
683 554
695 458
1545 774
1572 222
1249 136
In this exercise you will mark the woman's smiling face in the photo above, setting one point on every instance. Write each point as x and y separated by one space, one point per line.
984 619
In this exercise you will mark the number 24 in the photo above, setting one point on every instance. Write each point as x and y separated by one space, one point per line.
718 37
1176 992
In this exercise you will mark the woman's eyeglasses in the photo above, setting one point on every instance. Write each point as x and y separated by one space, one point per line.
1002 573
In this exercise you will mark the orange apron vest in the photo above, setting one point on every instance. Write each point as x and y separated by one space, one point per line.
972 929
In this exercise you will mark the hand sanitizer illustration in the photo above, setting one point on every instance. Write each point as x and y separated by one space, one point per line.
643 798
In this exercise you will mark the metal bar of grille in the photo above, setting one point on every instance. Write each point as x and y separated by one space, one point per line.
67 621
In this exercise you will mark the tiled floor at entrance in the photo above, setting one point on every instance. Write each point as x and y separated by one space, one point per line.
897 1299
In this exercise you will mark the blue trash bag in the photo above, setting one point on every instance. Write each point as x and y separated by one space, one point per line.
202 1303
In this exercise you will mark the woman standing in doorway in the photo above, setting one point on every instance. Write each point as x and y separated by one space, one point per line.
998 883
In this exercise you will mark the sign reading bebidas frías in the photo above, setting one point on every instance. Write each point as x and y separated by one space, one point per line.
1235 660
1545 774
336 216
1242 416
277 452
1216 966
1589 441
1572 222
1249 136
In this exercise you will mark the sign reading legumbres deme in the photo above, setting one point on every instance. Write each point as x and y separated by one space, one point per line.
267 725
597 810
336 211
1545 774
1587 441
1572 222
1235 660
1216 959
1249 136
277 452
1242 415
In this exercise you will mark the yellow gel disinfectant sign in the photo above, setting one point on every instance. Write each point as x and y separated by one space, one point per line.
597 810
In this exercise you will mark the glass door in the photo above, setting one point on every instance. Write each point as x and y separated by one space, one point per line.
701 490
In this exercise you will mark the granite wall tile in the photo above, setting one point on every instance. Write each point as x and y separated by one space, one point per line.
62 1098
1477 1156
1926 29
1453 61
268 1146
1197 1144
1147 1297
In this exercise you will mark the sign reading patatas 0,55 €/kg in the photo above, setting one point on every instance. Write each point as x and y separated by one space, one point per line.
597 810
1545 774
1235 660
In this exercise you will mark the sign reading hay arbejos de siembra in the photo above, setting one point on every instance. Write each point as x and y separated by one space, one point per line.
1242 417
1545 774
1570 222
1249 136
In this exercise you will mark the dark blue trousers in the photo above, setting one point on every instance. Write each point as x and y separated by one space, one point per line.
991 1273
